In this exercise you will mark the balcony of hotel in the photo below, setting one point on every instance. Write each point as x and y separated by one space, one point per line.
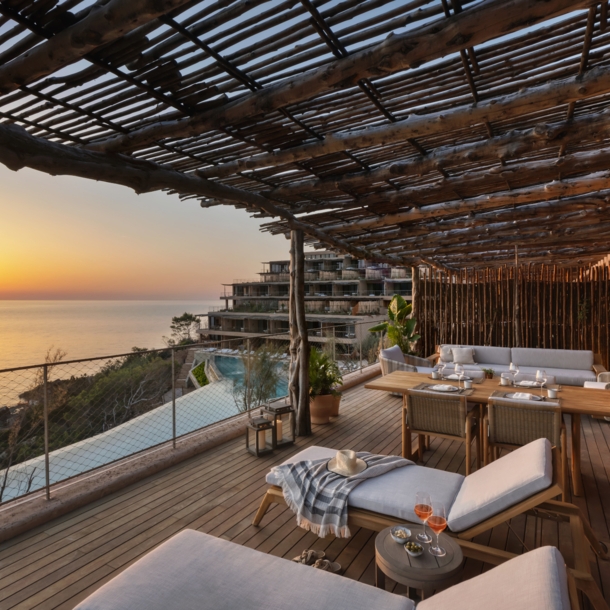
59 563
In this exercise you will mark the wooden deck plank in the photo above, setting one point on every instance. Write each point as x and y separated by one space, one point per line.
57 565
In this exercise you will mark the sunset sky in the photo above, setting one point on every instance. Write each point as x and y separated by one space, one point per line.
70 238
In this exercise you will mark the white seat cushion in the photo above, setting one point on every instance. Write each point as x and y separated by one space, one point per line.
392 494
501 484
194 571
536 580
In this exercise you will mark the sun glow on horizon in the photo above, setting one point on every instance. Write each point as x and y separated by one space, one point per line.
70 238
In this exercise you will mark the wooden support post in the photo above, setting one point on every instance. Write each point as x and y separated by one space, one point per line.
415 303
299 343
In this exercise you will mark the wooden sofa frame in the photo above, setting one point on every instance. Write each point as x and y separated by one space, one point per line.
541 505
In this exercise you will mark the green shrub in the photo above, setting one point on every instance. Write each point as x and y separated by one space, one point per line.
199 374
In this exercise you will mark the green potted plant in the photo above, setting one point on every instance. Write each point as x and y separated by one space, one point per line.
489 373
399 328
324 377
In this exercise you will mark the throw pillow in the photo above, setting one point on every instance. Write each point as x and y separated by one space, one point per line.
446 353
463 355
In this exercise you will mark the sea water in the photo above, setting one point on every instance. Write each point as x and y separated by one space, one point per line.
85 329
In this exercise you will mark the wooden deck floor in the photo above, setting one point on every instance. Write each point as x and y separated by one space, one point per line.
59 564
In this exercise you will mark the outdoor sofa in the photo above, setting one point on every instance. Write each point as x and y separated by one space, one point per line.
527 479
195 571
567 366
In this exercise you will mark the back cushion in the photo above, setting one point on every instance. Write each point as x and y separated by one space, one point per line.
502 484
463 355
446 353
393 353
484 354
581 360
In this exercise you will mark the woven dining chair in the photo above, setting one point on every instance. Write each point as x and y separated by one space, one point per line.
434 414
509 424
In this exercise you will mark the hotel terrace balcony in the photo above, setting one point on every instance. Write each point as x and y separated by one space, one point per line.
58 564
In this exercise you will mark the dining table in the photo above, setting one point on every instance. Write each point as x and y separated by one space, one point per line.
573 400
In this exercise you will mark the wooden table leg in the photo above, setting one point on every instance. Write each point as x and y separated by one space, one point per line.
406 432
379 578
576 474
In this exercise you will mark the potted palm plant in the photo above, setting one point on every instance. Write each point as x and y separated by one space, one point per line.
399 328
324 377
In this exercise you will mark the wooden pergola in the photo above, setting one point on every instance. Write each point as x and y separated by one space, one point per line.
443 132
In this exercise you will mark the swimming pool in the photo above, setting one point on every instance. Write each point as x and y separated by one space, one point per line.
233 368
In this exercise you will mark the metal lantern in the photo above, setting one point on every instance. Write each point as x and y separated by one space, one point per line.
283 417
260 436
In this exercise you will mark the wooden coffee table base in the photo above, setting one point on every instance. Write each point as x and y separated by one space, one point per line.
425 573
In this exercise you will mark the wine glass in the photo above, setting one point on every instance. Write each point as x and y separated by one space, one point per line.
514 369
459 371
438 522
441 370
541 379
423 509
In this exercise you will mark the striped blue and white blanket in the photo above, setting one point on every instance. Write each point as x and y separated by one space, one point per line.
319 497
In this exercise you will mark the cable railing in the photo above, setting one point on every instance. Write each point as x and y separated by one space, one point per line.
63 418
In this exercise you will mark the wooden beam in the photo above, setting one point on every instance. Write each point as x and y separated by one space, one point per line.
502 148
103 24
553 190
537 212
19 149
485 21
593 83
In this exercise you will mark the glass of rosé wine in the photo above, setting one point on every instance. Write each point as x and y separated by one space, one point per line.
423 509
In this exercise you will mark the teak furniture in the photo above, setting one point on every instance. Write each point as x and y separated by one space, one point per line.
425 573
575 401
445 415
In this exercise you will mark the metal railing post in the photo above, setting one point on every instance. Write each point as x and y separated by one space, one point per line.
247 378
360 348
174 397
47 474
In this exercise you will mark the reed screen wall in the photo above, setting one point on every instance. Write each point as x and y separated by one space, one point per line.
545 307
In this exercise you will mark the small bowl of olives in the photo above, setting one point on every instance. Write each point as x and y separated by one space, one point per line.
414 549
400 534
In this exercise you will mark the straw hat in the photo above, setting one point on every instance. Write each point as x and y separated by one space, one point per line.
346 463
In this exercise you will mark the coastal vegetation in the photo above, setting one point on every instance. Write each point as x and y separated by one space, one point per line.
199 374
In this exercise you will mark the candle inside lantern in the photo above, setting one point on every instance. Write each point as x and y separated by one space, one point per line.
279 429
261 439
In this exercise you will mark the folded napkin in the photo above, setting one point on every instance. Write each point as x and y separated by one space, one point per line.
442 387
522 396
456 377
526 383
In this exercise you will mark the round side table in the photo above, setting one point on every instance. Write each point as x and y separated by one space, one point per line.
426 572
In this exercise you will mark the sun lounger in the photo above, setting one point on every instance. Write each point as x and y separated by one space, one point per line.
526 479
195 571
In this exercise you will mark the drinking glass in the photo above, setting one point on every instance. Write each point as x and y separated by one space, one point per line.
441 370
423 509
514 369
437 522
459 371
541 378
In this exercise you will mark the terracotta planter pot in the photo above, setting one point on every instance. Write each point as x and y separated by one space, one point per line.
320 409
334 412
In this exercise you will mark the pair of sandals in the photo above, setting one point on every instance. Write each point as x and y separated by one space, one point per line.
316 559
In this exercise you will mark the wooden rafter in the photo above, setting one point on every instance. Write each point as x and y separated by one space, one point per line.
104 23
491 18
594 83
19 149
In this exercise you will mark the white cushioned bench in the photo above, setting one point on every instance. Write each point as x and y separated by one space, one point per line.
195 571
468 500
568 367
